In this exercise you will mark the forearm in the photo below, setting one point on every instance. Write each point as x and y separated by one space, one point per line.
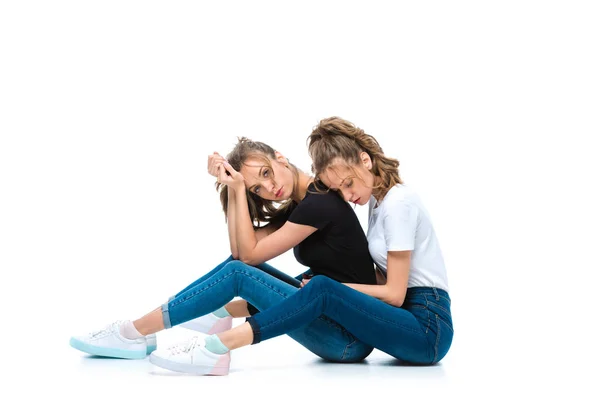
385 293
231 223
244 231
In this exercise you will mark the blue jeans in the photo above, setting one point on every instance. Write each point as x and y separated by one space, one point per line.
420 332
322 336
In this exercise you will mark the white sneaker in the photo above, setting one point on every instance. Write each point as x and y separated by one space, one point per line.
109 342
209 324
193 358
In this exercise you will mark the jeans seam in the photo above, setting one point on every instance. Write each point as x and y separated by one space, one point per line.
429 303
225 277
437 339
447 324
440 296
346 349
428 314
326 292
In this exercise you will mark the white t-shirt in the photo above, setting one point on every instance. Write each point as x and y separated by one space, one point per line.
401 222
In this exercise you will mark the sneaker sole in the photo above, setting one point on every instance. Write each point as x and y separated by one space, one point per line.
188 368
107 351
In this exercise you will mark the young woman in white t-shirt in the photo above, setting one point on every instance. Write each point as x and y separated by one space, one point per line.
408 314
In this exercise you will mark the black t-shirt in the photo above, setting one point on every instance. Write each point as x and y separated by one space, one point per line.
339 248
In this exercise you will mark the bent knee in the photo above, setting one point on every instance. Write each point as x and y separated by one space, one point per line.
237 265
320 281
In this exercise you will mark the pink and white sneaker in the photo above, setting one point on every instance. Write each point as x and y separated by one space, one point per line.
193 358
209 324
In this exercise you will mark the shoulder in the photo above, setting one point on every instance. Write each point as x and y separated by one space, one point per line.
323 203
318 208
322 197
399 196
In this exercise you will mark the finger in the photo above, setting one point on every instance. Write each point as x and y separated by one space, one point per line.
222 174
214 169
216 159
212 161
229 168
219 174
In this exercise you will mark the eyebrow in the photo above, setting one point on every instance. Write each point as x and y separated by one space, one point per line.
345 179
251 188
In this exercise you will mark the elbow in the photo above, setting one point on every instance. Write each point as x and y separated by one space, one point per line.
235 254
395 294
247 260
397 302
247 256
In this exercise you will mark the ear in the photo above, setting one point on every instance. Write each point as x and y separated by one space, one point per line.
281 158
366 160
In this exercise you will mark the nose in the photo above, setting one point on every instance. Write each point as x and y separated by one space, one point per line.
347 194
269 186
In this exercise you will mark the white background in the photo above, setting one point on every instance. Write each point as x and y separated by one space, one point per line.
109 109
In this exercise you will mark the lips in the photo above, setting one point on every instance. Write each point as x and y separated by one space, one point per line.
279 192
356 201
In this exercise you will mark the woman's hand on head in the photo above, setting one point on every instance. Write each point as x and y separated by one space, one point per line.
214 162
230 177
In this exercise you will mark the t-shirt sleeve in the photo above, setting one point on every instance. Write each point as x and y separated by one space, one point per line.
400 225
316 210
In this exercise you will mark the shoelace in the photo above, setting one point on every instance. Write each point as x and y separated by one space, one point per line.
184 347
107 330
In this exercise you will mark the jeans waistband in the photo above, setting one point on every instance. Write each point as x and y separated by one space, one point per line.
427 290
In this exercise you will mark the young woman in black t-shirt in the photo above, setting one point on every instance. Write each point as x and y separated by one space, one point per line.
271 207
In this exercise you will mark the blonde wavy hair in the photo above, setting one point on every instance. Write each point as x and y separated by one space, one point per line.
336 139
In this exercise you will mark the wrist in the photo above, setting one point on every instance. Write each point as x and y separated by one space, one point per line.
239 188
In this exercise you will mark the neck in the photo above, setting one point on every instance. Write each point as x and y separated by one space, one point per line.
303 182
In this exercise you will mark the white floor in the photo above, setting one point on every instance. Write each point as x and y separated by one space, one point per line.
281 369
277 366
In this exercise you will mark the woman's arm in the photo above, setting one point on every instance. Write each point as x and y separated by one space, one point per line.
215 166
231 222
259 233
251 250
394 290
